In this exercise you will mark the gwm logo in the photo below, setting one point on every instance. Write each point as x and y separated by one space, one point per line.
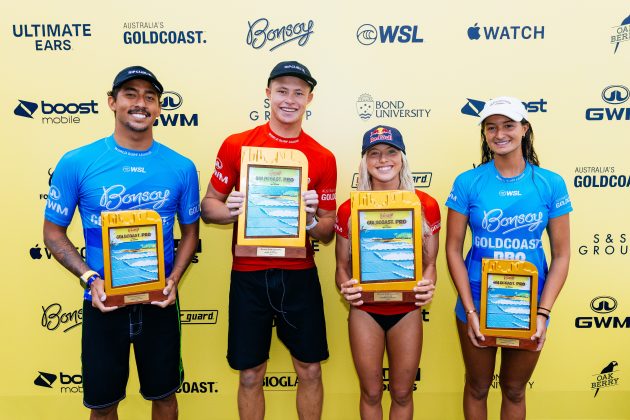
604 304
171 101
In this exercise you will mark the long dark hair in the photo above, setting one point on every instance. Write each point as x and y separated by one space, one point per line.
527 146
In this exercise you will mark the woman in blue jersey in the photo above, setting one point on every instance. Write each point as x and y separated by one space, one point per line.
508 202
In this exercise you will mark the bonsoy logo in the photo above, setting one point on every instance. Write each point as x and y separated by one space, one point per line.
45 379
368 34
499 33
261 33
613 95
606 378
604 306
56 113
172 101
620 33
474 106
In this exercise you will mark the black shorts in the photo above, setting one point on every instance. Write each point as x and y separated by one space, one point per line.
290 300
105 343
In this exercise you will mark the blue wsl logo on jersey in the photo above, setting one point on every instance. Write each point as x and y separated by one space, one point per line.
155 33
55 113
613 96
474 106
368 34
53 36
172 101
500 33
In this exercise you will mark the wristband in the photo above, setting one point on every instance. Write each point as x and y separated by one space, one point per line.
88 278
471 311
544 309
313 224
543 314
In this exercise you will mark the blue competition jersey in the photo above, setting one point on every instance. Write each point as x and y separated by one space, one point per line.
103 176
507 217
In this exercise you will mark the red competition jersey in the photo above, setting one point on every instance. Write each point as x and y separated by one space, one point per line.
431 217
322 177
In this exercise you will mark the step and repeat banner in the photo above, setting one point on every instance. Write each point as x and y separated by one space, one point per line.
423 67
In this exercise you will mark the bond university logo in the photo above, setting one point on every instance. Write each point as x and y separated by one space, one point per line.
613 96
367 107
620 34
606 378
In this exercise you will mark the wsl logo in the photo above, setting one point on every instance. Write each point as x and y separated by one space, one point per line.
613 95
368 34
500 33
474 106
367 107
56 113
172 101
53 37
620 34
603 305
260 33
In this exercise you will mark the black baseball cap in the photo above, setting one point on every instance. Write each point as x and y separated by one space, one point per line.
292 68
137 72
382 134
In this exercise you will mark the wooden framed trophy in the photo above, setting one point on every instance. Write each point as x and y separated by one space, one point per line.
386 244
133 252
273 222
509 302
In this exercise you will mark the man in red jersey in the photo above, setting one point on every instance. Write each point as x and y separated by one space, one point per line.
286 290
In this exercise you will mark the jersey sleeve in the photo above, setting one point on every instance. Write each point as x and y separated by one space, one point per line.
327 186
341 222
63 194
226 170
431 212
458 197
188 206
560 201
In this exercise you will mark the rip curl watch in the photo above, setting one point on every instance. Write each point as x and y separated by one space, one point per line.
88 278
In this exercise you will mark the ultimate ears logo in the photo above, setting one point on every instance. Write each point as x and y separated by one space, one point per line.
606 378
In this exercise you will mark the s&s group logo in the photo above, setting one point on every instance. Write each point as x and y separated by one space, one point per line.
620 34
157 33
608 376
600 177
55 113
368 34
605 244
474 106
393 108
280 381
264 112
68 383
505 32
173 101
53 36
612 96
602 316
261 33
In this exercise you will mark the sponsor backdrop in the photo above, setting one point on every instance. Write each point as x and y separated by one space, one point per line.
415 65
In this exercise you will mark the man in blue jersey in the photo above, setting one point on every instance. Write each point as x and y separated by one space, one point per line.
127 170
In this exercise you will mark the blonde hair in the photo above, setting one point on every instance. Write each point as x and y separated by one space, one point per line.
406 183
365 180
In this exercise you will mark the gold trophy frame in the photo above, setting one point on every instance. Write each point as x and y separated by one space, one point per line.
273 221
509 302
133 255
386 244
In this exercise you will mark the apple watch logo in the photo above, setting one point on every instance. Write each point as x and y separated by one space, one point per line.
36 252
473 32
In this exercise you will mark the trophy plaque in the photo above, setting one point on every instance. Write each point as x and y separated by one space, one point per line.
509 302
386 244
273 222
133 253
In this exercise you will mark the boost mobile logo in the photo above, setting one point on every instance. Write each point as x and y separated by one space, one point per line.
473 107
45 379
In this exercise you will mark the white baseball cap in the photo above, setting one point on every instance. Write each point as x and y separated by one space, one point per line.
512 108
